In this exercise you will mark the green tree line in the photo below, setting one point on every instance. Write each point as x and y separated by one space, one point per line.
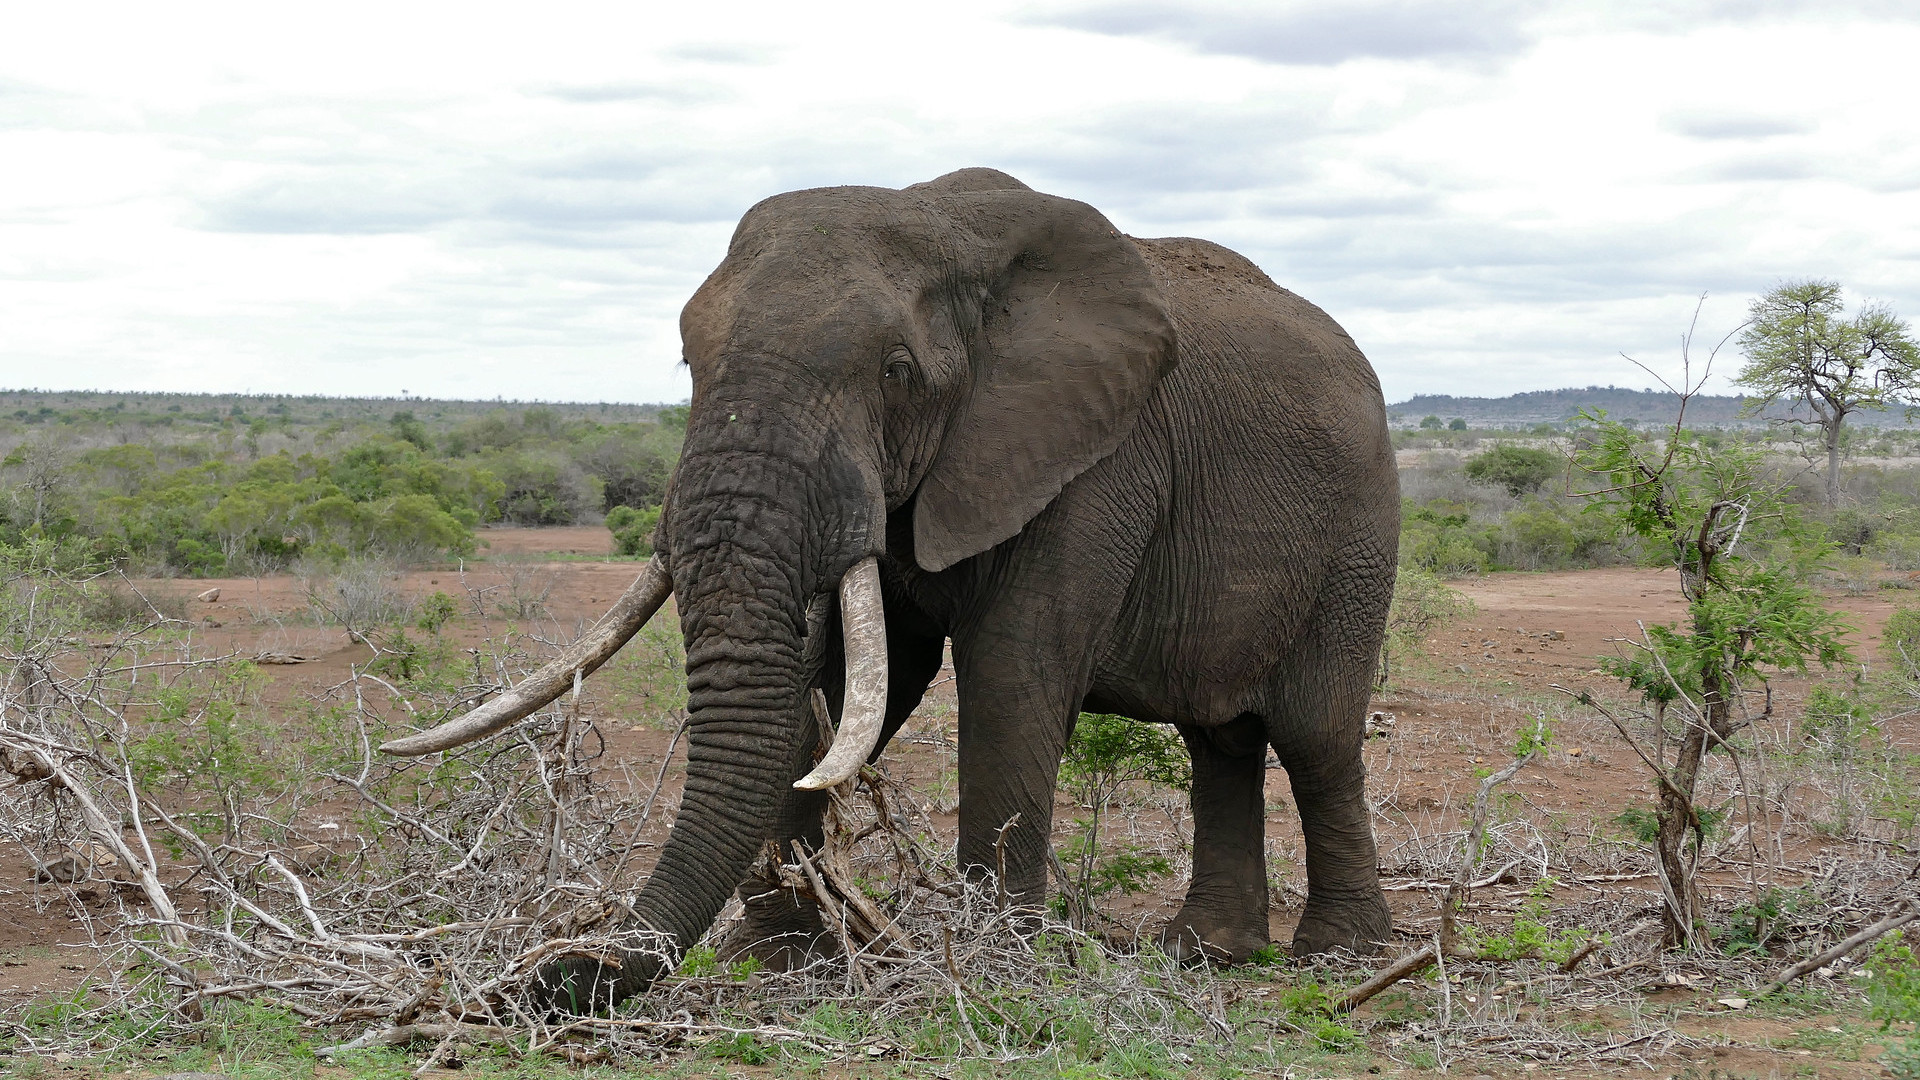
246 495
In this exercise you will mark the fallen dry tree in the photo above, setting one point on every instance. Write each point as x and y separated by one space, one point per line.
412 902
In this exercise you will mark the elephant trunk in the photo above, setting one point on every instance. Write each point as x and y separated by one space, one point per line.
747 567
746 681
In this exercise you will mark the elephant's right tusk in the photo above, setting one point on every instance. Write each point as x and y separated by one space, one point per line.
863 710
615 628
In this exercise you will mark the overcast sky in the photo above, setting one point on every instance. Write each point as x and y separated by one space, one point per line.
514 200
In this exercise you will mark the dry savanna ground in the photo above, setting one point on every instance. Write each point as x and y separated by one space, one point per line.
1449 718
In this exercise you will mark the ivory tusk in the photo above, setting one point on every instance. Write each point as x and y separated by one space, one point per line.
615 628
863 710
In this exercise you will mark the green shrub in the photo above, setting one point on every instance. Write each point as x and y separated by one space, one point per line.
1900 641
1519 469
1549 534
632 463
1105 754
1852 529
1893 994
1421 603
1441 539
633 529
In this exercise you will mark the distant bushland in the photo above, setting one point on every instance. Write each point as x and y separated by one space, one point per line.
212 485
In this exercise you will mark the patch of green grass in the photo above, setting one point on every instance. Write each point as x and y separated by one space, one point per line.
1893 991
1840 1042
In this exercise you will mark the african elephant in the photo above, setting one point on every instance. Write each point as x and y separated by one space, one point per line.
1121 475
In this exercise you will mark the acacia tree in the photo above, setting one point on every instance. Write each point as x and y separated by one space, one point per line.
1800 346
1744 562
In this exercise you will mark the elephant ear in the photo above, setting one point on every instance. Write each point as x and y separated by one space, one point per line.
1074 335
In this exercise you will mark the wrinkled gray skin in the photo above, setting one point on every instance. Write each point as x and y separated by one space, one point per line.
1123 475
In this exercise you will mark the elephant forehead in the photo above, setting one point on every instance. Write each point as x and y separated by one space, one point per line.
851 230
819 321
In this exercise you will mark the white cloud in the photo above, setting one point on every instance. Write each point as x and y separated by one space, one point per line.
477 201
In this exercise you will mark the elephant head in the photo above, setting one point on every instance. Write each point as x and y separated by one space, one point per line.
956 351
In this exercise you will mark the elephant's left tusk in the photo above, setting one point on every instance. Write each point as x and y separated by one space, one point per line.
615 628
863 631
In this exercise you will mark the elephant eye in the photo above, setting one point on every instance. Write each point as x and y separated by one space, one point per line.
899 366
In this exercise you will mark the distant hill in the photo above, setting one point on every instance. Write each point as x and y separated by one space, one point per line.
84 406
1620 403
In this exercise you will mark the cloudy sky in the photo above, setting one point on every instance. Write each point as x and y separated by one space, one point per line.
483 200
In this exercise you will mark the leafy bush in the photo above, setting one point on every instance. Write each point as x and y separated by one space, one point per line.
1441 540
1105 754
1421 603
1852 530
633 529
1900 641
631 463
1521 470
1548 534
217 491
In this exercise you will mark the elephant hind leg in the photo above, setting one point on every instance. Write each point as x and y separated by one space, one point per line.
1224 918
1318 733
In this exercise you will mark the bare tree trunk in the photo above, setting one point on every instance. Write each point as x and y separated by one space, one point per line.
1679 914
1680 918
1833 462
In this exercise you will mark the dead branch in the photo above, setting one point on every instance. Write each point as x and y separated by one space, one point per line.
1414 962
1866 936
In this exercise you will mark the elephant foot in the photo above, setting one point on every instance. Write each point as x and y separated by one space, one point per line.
1363 926
781 931
585 985
1215 936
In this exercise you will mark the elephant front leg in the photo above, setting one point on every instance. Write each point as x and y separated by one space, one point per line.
1224 917
1013 731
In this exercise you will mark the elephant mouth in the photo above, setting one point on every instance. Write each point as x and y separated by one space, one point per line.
863 629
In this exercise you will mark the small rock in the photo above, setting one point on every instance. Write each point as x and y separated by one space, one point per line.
1731 1002
1555 635
209 596
1574 751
